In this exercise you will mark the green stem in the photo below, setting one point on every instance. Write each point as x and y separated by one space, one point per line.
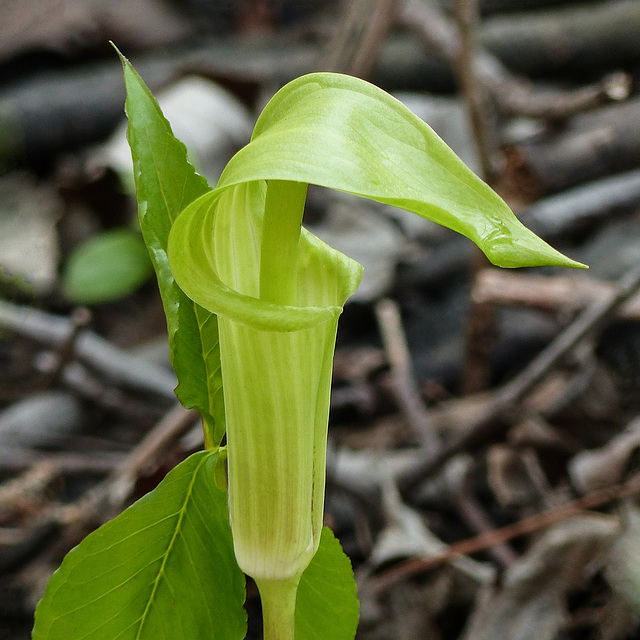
278 599
283 211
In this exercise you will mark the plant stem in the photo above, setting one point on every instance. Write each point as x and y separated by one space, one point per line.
283 212
278 599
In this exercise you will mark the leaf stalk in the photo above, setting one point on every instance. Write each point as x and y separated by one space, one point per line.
278 607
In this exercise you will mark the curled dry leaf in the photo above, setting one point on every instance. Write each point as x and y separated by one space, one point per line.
623 564
596 469
407 534
508 477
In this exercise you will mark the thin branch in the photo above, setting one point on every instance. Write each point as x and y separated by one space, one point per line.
405 386
96 352
554 294
460 481
373 38
572 208
580 328
356 43
467 16
117 488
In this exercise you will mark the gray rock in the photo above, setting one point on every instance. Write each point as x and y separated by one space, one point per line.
40 419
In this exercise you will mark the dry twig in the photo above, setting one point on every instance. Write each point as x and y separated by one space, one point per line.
405 386
557 294
113 492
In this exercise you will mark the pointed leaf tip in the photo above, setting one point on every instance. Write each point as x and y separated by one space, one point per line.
327 605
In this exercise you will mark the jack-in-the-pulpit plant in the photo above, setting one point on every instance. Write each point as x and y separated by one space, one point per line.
252 303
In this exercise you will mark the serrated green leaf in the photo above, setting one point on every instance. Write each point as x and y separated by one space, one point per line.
327 601
163 569
109 266
166 183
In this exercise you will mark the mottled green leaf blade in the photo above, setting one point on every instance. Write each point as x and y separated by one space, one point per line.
327 601
163 569
166 183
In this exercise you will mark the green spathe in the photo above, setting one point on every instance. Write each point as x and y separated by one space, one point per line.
276 360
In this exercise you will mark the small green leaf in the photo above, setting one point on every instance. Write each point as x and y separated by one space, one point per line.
327 602
109 266
166 183
163 569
